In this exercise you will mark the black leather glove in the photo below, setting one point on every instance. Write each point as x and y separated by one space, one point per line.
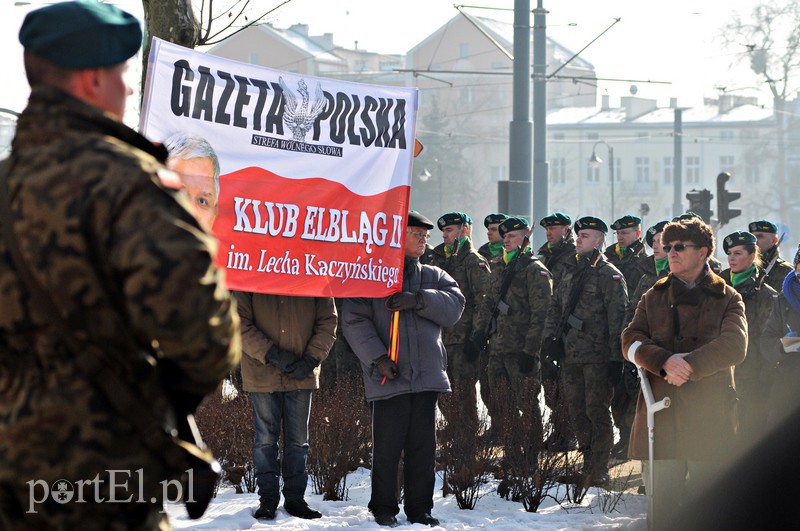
553 349
614 373
386 367
281 358
405 300
526 363
302 368
474 347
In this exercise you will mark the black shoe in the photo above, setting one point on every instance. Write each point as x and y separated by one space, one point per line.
424 519
386 519
266 511
300 509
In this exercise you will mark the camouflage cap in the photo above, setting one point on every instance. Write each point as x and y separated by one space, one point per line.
626 222
763 225
415 219
494 218
739 237
588 222
82 34
513 223
453 218
652 231
556 218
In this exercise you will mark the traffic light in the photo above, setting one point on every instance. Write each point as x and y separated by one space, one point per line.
724 198
700 203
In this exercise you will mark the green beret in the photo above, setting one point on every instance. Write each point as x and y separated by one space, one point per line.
513 223
652 231
739 237
763 226
453 218
626 222
687 215
556 218
83 34
415 219
494 218
588 222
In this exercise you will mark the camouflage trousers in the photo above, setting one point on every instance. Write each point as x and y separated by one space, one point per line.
588 395
463 375
509 386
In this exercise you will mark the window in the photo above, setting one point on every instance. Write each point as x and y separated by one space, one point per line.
669 168
360 65
726 135
592 175
617 169
558 171
558 136
692 170
642 165
592 136
726 163
463 50
388 66
465 95
642 137
751 175
252 58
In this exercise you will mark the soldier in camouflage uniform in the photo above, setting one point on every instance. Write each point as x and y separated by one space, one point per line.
766 233
629 256
558 255
469 269
492 249
754 376
126 265
652 268
519 317
591 355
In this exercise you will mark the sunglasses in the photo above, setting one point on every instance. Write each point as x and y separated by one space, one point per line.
420 235
679 247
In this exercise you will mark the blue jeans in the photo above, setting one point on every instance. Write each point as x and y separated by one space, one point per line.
291 410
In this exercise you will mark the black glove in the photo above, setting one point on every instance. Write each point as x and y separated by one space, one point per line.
631 377
526 363
553 350
474 347
386 367
302 368
405 300
281 359
614 373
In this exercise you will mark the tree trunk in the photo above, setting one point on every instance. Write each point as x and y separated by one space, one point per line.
170 20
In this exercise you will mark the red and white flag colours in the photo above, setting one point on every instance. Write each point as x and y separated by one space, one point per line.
315 172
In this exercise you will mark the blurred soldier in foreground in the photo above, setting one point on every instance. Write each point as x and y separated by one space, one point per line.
403 389
688 332
469 269
493 249
766 233
126 266
583 337
558 255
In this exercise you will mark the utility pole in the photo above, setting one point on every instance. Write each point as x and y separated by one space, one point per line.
515 194
540 167
677 163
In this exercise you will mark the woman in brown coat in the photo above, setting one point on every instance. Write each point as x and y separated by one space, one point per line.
688 332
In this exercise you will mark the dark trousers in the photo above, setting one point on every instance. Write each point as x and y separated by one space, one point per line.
404 424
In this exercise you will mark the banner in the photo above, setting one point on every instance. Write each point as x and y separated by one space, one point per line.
314 173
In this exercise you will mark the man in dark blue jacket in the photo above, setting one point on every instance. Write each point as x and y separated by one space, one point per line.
403 391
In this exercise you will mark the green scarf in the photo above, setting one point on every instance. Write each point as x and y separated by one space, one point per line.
620 250
662 264
451 249
509 255
738 278
495 248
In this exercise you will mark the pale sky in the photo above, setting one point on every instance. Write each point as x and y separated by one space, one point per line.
676 41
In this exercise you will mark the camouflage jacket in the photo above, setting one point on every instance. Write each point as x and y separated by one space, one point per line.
128 267
600 308
630 265
779 270
646 281
758 304
528 297
471 273
558 258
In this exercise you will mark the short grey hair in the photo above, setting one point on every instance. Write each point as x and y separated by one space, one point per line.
189 146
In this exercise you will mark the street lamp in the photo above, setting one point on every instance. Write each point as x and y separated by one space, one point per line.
595 161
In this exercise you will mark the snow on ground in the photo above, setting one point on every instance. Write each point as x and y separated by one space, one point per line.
231 511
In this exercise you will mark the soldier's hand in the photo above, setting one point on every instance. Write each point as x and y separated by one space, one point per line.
405 300
553 349
474 347
302 368
386 367
526 363
281 358
614 373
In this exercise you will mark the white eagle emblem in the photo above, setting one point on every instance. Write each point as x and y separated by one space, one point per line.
299 116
